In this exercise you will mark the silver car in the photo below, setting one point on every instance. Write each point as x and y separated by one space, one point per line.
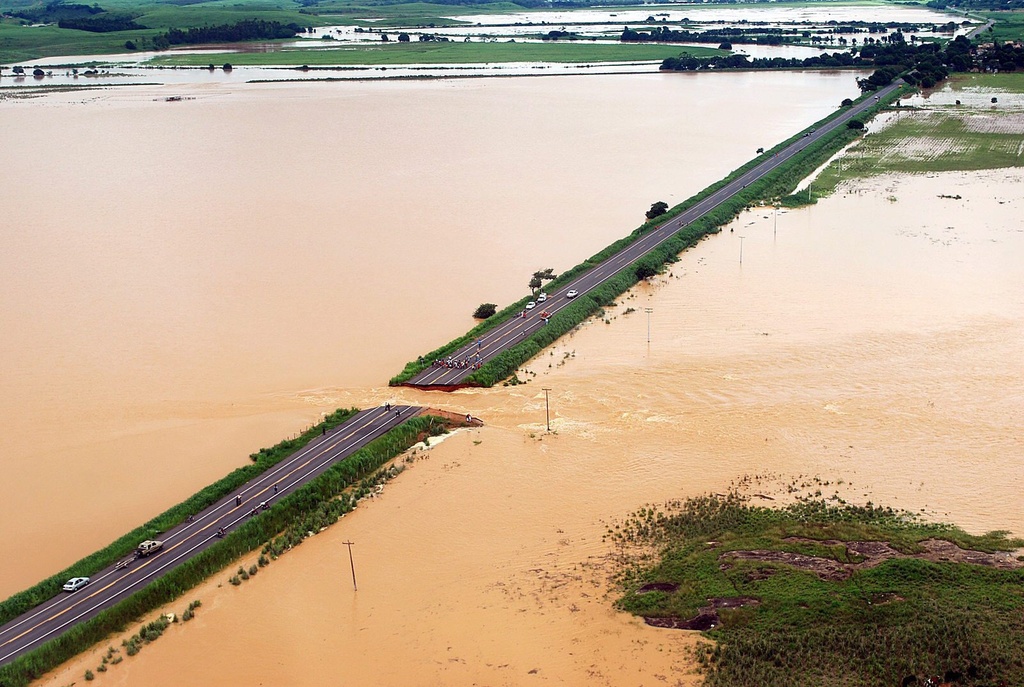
75 583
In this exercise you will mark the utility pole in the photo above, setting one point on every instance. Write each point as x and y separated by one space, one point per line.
547 408
741 249
648 311
351 563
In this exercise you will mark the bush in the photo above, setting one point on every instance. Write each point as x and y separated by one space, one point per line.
485 310
855 124
657 210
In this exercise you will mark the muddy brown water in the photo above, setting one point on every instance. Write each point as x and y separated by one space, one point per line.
178 281
150 343
854 345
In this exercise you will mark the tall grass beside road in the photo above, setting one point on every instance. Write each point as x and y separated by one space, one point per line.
292 509
770 188
263 460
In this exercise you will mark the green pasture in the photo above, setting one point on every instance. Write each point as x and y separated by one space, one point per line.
1009 26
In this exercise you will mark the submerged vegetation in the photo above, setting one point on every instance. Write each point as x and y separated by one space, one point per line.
940 138
821 593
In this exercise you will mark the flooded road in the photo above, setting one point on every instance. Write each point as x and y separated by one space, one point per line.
863 341
181 281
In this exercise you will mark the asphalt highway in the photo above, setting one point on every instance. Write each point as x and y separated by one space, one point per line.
508 333
56 616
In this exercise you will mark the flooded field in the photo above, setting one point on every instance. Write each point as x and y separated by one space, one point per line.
181 281
865 341
184 282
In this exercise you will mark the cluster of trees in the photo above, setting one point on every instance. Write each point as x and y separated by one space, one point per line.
1006 58
106 22
245 30
57 11
70 15
687 63
663 34
556 35
925 63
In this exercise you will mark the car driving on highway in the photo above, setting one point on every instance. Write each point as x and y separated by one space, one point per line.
572 293
75 583
531 305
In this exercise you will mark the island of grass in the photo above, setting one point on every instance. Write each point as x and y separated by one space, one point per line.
821 593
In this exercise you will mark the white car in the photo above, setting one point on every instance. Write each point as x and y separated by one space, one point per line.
531 305
542 297
75 583
572 293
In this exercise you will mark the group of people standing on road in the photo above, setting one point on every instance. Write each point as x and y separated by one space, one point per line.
470 363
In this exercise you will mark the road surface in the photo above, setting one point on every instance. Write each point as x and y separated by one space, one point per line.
507 334
108 587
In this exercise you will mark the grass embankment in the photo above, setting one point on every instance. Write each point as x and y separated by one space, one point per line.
308 509
815 605
773 186
416 52
263 460
940 138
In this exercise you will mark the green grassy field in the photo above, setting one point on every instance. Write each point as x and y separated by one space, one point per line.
395 53
942 138
1009 26
807 613
24 43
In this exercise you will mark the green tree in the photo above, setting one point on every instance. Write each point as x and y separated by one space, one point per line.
485 310
657 209
855 124
403 38
645 270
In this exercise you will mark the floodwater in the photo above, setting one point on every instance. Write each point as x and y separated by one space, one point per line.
862 341
182 283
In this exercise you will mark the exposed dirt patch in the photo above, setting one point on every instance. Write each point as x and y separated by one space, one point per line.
873 553
706 619
658 587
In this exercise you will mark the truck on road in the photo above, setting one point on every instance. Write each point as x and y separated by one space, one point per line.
149 546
